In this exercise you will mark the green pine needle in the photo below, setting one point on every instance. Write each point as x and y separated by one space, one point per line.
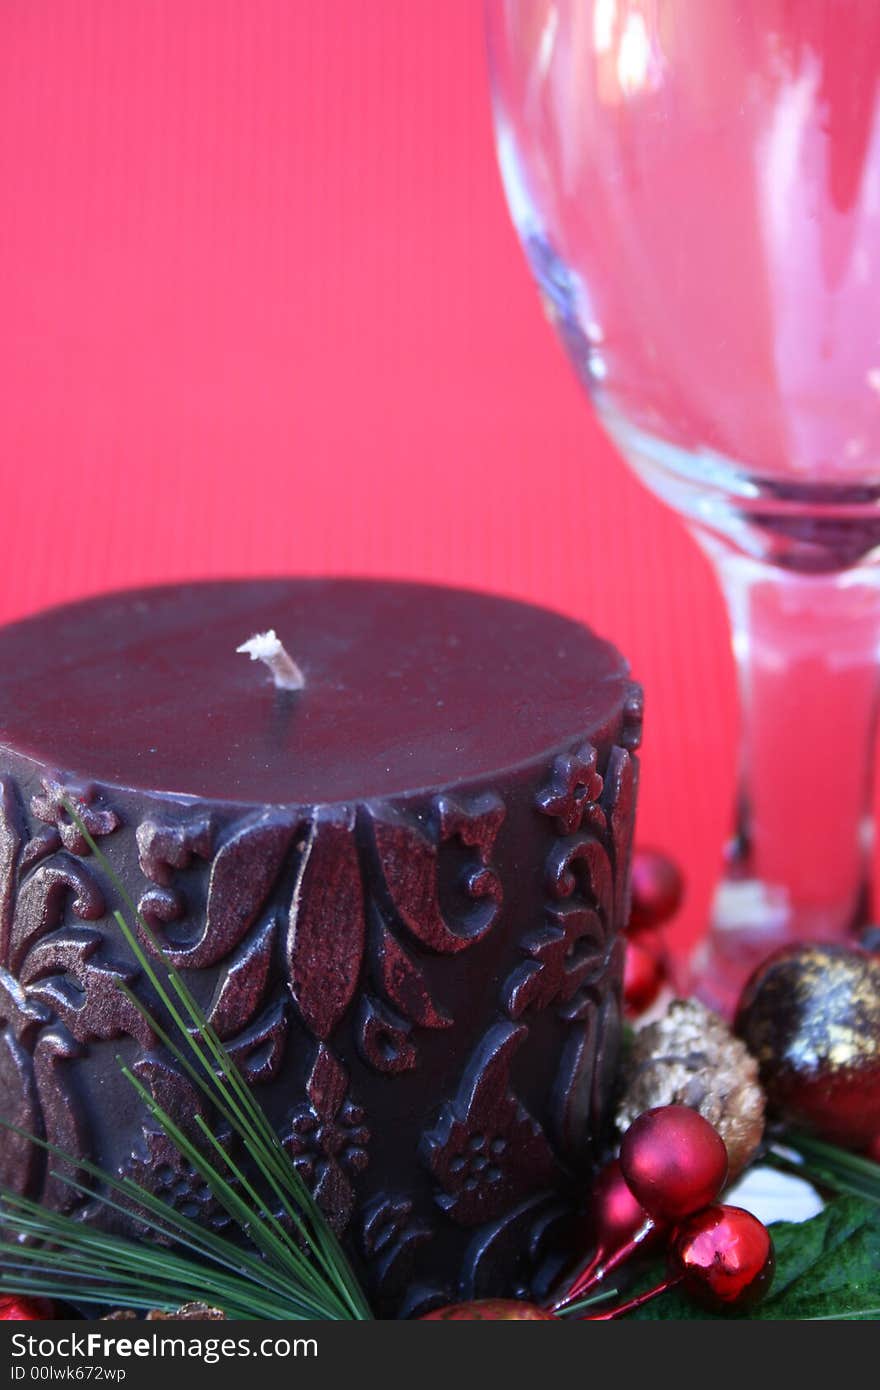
573 1310
826 1166
292 1265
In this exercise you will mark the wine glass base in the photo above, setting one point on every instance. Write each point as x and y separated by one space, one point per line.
750 921
720 967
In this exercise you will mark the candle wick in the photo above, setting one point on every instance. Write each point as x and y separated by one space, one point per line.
266 647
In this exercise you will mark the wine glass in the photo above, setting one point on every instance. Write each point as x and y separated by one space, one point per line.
696 184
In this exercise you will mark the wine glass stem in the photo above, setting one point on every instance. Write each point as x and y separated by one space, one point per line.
798 867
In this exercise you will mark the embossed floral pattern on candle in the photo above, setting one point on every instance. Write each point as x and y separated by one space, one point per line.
572 794
157 1164
391 1237
57 993
98 820
328 1139
487 1150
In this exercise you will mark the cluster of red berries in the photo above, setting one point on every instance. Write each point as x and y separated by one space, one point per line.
663 1189
657 890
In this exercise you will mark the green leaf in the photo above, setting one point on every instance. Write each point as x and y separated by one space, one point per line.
826 1268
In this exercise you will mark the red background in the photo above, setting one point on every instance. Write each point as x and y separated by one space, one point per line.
263 310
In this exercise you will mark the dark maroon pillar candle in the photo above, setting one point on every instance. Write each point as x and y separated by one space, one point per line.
397 893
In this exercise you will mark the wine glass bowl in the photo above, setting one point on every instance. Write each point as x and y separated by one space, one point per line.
697 189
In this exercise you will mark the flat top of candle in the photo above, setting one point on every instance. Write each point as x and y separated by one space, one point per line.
408 686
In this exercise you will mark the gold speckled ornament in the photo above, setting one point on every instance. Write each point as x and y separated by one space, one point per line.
811 1016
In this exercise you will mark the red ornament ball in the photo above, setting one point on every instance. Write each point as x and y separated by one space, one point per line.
616 1215
644 975
674 1161
490 1310
724 1257
17 1308
657 889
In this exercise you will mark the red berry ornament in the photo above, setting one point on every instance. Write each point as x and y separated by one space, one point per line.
490 1310
644 975
723 1257
674 1161
619 1227
616 1214
657 890
16 1308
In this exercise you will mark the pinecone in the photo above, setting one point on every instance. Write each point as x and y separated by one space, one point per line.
188 1312
690 1057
